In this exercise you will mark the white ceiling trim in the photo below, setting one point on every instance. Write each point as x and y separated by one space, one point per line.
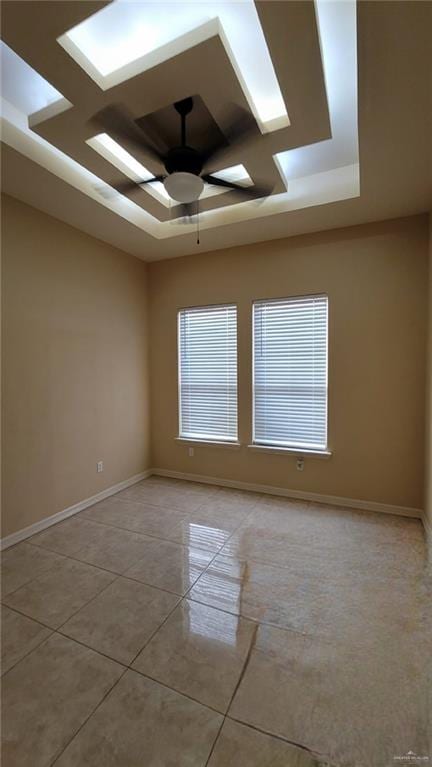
337 26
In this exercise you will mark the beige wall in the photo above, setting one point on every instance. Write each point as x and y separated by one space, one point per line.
428 494
75 366
376 279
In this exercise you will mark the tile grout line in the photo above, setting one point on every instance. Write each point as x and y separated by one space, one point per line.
245 664
117 575
208 565
25 615
124 529
59 632
57 757
88 603
124 574
29 652
254 620
181 597
314 754
114 572
241 677
9 593
215 741
114 527
98 567
88 647
179 601
128 667
170 507
178 692
178 604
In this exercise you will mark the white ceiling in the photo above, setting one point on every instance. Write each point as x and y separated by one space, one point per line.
321 178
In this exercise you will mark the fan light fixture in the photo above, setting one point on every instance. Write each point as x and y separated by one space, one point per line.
185 167
184 187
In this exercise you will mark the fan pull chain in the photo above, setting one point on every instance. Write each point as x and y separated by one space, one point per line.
198 235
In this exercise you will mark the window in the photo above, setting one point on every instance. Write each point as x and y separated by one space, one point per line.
207 339
290 372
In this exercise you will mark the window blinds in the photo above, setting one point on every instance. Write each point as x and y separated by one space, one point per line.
208 373
290 372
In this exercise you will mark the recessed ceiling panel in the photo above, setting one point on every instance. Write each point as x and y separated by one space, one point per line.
22 86
126 32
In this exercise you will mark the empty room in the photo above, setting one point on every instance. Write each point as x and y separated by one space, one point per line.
216 383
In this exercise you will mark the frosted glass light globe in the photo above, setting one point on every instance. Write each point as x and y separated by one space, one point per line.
184 187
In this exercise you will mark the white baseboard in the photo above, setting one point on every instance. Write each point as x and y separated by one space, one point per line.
352 503
37 527
334 500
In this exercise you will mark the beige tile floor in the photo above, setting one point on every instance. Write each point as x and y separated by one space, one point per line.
184 625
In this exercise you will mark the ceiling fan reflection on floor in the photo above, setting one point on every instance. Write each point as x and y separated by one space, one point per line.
185 167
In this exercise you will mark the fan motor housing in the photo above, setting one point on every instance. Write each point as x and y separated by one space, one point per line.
184 159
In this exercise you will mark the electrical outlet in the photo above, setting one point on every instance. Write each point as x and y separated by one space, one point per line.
300 464
99 466
191 452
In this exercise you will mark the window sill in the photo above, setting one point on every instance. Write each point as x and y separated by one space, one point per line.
208 443
291 451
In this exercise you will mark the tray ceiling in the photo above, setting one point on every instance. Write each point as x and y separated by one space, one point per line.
292 65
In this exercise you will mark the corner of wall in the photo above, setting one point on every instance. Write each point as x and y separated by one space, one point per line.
428 450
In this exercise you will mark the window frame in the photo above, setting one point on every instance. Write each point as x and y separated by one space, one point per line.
277 447
205 439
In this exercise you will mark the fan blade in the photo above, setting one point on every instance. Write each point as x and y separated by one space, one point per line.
117 120
128 186
249 192
122 187
241 127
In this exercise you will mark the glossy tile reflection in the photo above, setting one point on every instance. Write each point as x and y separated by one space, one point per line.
182 624
200 535
313 595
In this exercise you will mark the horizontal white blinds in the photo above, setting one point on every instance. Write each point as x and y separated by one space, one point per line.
290 372
208 373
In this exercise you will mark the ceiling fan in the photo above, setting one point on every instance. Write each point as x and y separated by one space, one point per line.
185 167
